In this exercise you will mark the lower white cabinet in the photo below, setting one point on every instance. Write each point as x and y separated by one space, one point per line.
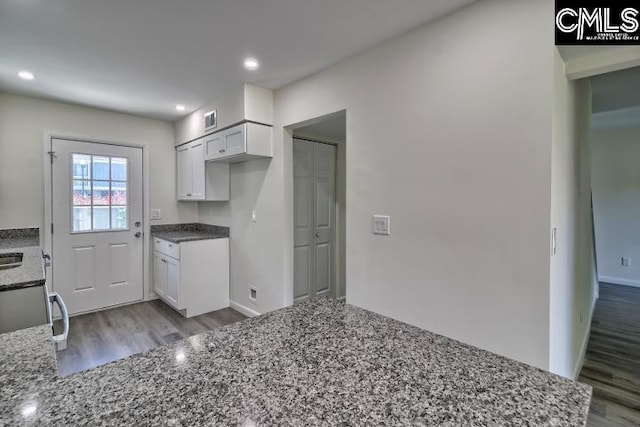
192 277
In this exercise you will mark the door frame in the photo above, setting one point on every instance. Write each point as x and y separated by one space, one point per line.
336 262
46 236
289 134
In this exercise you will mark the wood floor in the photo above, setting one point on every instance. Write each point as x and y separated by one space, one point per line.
105 336
612 362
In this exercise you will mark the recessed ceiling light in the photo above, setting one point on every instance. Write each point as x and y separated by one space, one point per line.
26 75
251 64
180 107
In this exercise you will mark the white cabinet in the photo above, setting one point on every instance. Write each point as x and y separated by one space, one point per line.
197 180
192 277
239 143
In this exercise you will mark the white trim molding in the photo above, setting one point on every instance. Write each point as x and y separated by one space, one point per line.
585 341
619 281
243 309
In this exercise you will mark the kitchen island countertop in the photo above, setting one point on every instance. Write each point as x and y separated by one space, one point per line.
321 362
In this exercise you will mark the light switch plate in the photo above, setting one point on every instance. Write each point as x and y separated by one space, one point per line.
381 225
156 214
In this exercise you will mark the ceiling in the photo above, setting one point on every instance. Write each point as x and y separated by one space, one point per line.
145 56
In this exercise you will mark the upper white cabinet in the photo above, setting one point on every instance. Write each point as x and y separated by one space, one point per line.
197 180
244 102
239 143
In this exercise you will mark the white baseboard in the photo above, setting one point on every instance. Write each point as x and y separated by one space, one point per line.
619 281
585 341
243 309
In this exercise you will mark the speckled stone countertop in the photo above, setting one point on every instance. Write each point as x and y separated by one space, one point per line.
180 233
19 238
31 271
27 363
321 362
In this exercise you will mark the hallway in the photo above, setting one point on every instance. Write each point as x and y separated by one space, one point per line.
612 362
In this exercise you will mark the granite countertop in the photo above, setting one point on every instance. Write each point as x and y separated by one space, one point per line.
31 272
180 233
19 238
28 363
321 362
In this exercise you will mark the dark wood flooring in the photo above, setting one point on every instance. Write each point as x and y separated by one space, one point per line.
612 362
105 336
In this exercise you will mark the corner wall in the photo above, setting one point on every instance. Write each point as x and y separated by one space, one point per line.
449 132
573 283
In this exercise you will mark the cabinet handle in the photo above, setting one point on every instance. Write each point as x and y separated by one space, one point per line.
164 260
221 150
188 194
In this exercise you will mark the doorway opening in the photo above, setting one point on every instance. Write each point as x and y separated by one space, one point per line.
319 205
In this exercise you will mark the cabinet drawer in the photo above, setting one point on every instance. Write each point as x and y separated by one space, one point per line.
167 248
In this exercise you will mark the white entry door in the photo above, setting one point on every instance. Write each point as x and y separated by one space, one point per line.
314 219
97 224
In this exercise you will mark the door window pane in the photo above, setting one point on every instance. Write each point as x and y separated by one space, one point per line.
118 169
81 192
99 199
81 218
118 193
100 167
101 193
118 217
101 218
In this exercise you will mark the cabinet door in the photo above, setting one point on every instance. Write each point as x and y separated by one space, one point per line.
184 173
214 146
196 154
235 140
159 274
173 281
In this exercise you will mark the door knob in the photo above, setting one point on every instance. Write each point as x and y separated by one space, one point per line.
317 234
137 223
138 234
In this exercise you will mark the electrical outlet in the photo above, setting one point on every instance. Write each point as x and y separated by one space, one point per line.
381 225
626 261
253 294
156 214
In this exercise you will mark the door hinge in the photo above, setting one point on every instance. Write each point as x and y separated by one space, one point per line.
52 155
51 228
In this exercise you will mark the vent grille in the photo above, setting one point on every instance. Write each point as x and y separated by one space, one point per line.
210 120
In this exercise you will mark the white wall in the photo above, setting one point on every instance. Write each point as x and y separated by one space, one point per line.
573 283
616 203
23 122
449 132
